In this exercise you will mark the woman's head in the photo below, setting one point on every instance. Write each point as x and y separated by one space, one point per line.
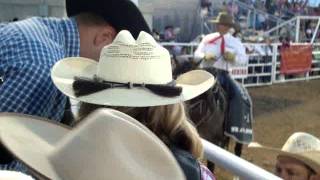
169 122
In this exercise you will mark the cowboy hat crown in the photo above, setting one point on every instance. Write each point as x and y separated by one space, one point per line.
301 142
149 62
224 19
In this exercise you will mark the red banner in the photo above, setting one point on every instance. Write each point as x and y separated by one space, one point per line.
296 59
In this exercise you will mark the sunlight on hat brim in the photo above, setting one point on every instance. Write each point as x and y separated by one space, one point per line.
215 21
193 83
25 136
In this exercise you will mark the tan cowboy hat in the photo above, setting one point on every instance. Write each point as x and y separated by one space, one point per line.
106 145
13 175
135 73
301 146
224 19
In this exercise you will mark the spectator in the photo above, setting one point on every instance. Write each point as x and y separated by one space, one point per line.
31 47
308 30
285 41
155 34
206 7
205 3
224 7
299 157
169 34
268 5
233 9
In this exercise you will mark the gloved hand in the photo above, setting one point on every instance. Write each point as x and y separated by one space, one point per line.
229 57
209 57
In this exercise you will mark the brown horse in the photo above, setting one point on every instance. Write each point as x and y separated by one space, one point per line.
208 111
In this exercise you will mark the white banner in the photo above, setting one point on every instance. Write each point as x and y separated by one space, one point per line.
239 71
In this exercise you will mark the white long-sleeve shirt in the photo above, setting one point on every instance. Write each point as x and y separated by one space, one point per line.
232 45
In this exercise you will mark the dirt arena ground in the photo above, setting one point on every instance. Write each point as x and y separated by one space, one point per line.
279 111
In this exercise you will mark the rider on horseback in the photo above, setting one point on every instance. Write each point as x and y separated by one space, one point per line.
217 53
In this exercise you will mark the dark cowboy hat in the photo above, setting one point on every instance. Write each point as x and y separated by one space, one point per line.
224 19
121 14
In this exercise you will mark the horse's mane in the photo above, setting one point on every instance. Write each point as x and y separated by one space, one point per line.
184 66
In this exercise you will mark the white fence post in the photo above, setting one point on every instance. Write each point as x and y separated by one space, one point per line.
274 62
315 33
297 30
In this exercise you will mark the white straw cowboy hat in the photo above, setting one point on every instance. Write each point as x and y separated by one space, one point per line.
106 145
135 73
13 175
300 146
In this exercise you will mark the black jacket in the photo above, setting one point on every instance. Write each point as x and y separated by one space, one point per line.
187 162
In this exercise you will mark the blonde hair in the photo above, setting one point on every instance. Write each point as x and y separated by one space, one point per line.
169 122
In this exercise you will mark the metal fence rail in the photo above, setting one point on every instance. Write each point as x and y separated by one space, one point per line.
238 166
263 65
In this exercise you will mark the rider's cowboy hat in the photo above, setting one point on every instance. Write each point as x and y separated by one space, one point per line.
300 146
134 73
107 144
121 14
224 19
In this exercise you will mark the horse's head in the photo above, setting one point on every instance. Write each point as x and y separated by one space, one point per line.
182 64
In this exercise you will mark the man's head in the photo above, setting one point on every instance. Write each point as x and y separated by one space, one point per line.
223 22
298 159
222 28
169 27
100 20
95 33
290 168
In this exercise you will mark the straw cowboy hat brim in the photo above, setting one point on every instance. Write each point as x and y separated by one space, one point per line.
116 150
13 175
216 21
311 158
193 83
31 139
223 19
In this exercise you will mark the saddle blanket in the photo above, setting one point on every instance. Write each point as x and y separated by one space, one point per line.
239 122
